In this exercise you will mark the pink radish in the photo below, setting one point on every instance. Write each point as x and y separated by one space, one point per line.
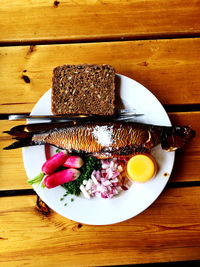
54 162
61 177
73 162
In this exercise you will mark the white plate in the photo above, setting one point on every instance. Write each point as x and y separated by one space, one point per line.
129 203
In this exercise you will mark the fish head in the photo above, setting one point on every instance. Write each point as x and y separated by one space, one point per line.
176 137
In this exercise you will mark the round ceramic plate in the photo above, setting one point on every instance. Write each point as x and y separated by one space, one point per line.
96 211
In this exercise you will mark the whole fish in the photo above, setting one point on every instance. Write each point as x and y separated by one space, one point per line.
103 139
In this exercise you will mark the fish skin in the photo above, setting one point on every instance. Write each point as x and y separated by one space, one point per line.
84 138
125 138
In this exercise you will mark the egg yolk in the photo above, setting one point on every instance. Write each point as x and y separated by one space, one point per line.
141 168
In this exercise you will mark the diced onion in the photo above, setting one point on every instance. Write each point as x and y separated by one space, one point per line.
89 184
107 182
85 193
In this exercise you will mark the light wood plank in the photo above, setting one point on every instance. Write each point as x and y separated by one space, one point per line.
168 68
12 172
187 159
91 19
167 231
186 168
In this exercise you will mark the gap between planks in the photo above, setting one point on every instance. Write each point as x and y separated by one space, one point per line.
169 109
100 40
23 192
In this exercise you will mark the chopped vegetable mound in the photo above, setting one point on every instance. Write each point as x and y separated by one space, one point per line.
90 164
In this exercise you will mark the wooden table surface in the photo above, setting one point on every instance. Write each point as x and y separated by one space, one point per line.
155 42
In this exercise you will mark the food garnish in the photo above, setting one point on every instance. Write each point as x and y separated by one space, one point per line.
54 162
95 177
141 167
56 177
36 180
90 164
107 182
61 177
73 162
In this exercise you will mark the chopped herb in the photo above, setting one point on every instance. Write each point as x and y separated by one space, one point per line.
61 199
65 204
57 150
72 199
90 164
65 195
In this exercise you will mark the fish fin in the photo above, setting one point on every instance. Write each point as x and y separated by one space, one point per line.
19 131
23 137
20 143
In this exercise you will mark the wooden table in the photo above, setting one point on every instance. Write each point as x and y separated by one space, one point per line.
156 43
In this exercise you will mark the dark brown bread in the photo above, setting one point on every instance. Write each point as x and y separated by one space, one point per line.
83 89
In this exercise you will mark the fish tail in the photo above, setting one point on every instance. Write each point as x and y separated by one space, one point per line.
175 137
20 143
23 137
24 133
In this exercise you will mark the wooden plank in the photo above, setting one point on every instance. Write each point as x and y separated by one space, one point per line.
12 172
89 20
186 168
167 231
187 160
168 68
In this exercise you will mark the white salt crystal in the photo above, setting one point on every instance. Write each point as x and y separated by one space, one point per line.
104 135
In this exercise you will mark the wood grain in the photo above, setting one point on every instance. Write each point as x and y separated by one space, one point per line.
12 172
167 231
91 20
168 68
187 159
186 168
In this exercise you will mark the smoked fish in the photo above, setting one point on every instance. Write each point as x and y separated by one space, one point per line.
103 139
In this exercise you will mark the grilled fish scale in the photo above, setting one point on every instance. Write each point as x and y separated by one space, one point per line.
89 138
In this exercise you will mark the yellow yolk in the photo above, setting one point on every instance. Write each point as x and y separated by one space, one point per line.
141 168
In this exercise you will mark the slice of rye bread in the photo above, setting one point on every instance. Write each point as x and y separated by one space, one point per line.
83 89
